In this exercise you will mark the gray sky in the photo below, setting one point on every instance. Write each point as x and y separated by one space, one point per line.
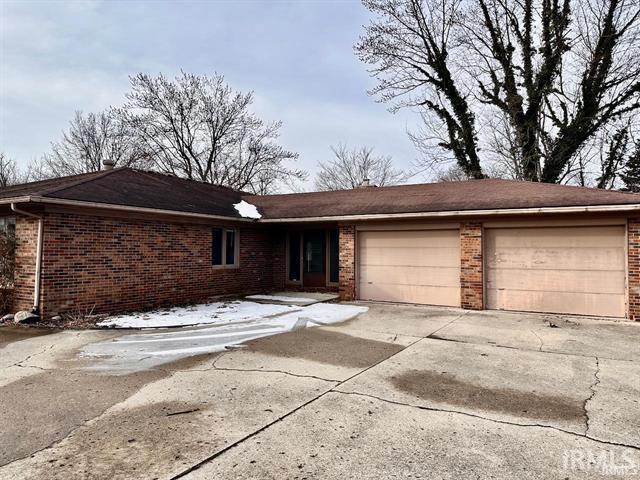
297 56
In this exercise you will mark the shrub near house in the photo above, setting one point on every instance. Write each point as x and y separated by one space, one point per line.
7 262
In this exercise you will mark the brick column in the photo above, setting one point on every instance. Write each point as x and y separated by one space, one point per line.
633 253
347 262
25 263
471 277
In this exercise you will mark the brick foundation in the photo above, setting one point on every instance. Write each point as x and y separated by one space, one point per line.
471 275
112 265
347 277
633 252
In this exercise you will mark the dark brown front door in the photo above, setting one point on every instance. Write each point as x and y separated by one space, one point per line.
313 259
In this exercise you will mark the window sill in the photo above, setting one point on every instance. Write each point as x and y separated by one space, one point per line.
225 267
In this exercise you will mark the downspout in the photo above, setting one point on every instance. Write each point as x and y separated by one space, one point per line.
36 288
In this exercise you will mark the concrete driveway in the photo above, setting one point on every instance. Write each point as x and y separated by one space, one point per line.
398 392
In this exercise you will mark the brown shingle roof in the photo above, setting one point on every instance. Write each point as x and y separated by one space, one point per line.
128 187
125 186
487 194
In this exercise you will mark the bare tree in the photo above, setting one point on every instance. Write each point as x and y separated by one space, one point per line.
350 167
197 127
452 174
9 173
631 172
90 140
557 71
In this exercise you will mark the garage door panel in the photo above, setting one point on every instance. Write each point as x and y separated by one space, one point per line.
446 296
402 275
557 302
579 258
413 256
556 280
415 266
557 237
408 238
577 270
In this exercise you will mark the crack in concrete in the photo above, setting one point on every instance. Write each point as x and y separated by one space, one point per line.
432 336
592 388
238 442
445 325
33 366
258 370
29 357
503 422
539 339
299 407
213 366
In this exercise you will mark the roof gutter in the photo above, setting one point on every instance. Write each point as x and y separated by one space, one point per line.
462 213
36 287
621 208
128 208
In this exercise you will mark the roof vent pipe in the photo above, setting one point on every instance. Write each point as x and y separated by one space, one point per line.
108 164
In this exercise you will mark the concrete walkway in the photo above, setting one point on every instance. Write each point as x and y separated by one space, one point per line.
400 391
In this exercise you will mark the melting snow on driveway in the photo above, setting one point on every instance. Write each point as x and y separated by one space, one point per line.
228 325
218 313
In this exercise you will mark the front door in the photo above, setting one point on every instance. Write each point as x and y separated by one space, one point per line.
313 259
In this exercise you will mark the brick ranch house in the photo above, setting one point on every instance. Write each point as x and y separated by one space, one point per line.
123 239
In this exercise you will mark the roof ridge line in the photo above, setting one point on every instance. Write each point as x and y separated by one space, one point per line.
97 175
154 174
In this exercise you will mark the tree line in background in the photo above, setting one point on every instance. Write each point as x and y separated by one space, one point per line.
539 90
195 127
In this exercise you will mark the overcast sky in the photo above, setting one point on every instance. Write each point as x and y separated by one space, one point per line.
297 57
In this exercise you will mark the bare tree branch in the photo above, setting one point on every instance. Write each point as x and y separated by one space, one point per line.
351 167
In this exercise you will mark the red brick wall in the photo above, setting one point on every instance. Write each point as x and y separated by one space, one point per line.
25 263
471 277
111 265
633 236
347 277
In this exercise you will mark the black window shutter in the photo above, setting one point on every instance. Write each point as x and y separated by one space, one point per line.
216 246
231 248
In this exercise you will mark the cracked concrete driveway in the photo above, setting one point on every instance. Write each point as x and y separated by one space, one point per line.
400 391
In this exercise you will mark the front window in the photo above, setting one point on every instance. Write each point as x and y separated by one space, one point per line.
224 247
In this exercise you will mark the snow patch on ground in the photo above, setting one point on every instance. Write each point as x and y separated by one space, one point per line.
149 349
247 210
207 313
280 298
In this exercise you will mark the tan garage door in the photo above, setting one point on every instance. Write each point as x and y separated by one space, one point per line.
410 266
564 270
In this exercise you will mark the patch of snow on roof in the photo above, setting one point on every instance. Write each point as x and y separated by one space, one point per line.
247 210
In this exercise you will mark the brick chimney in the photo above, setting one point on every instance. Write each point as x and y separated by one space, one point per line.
366 183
